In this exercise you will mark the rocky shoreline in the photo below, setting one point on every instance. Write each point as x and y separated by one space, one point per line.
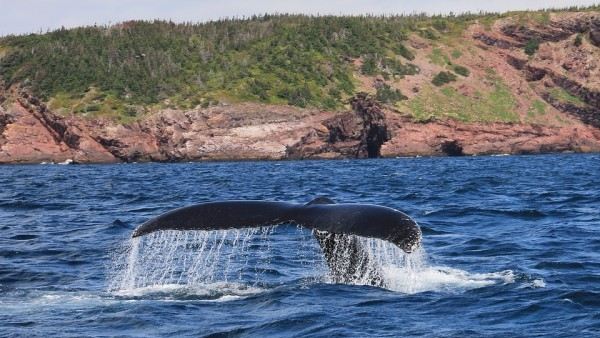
30 133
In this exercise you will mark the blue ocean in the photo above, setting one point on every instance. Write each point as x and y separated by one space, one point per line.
511 248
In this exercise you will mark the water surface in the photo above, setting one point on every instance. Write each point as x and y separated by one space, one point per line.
511 248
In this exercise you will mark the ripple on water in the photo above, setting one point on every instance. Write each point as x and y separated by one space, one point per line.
582 297
23 237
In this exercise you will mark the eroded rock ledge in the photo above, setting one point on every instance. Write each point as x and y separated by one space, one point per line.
30 133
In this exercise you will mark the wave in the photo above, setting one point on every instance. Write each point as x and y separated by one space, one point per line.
443 279
16 302
214 292
585 298
471 211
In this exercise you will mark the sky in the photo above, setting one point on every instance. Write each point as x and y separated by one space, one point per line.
33 16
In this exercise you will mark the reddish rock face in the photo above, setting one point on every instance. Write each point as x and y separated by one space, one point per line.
32 134
447 138
29 138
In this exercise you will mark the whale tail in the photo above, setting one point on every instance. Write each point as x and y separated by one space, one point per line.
219 216
321 214
336 227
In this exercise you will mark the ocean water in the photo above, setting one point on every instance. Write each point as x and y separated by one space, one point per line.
511 248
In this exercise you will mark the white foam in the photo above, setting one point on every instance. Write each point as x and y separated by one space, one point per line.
535 284
214 292
441 279
412 273
219 291
67 162
538 283
51 299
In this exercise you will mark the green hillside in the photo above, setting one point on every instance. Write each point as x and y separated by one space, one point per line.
285 59
298 60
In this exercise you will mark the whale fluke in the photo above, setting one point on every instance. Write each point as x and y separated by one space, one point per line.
366 220
333 224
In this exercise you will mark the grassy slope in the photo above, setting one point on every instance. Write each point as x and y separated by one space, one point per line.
131 68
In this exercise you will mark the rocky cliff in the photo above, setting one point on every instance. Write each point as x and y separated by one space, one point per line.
529 87
33 134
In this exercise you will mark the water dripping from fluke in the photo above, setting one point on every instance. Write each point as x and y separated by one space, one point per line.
221 265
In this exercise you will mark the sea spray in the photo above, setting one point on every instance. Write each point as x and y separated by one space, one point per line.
195 258
237 260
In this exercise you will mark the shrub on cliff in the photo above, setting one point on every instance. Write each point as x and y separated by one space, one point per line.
387 94
369 66
298 96
373 64
405 52
443 78
532 46
460 70
578 40
393 66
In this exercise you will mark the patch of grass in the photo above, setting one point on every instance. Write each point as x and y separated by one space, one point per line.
456 54
488 22
562 95
495 105
501 104
537 108
541 18
93 103
3 51
460 70
439 58
61 103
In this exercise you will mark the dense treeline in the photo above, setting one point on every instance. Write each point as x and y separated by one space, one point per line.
300 60
289 59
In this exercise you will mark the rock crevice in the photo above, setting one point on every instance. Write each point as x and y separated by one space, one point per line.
56 126
359 133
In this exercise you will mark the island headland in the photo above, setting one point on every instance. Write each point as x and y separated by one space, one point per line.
303 87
